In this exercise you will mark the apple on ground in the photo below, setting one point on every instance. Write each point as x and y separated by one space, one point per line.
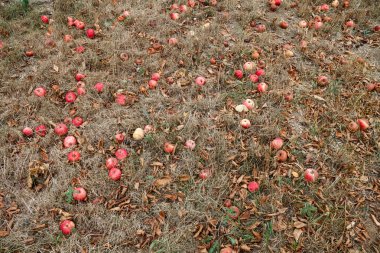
311 175
79 194
66 227
114 174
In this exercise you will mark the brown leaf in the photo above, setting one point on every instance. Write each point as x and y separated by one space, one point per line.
245 247
3 233
375 220
299 224
297 233
162 181
184 178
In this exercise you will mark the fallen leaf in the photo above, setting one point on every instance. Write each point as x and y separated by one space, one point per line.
3 233
297 233
162 181
375 220
299 224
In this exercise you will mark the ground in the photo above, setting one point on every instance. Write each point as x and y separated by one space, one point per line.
161 204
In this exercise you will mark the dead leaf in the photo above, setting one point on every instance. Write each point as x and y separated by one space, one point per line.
297 233
3 233
55 67
162 181
245 247
184 178
375 220
299 224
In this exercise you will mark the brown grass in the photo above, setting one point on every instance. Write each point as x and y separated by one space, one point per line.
338 210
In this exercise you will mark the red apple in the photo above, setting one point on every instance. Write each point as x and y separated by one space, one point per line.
41 130
155 76
323 80
284 24
190 144
277 143
318 25
233 212
120 137
73 156
121 99
324 7
376 28
66 227
277 2
238 74
227 203
69 141
29 53
289 96
152 84
174 16
45 19
70 21
182 8
99 87
190 3
61 129
27 131
70 97
114 174
77 121
67 38
79 25
363 124
39 92
204 174
200 81
262 87
79 76
254 78
260 72
253 186
172 41
245 123
174 7
79 194
350 24
121 154
168 147
111 163
90 33
249 104
311 175
260 28
80 49
302 24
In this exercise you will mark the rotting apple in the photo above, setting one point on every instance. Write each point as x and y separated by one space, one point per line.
204 174
66 227
190 144
61 129
353 126
29 53
111 163
73 156
39 92
200 81
253 186
173 41
350 24
324 7
311 175
302 24
284 24
233 212
41 130
248 66
114 174
281 156
79 194
323 80
67 38
227 203
77 121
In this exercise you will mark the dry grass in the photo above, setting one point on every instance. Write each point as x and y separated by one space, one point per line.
337 210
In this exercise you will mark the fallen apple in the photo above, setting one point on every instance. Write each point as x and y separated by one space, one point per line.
27 131
281 156
70 97
190 144
168 147
200 81
138 134
61 129
66 227
90 33
39 92
277 143
114 174
120 137
41 130
111 162
253 186
238 74
245 123
363 124
79 194
262 87
249 104
121 154
311 175
45 19
73 156
69 141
